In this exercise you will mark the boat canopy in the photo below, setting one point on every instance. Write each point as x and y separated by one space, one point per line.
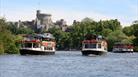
45 36
123 45
89 41
39 36
31 41
93 36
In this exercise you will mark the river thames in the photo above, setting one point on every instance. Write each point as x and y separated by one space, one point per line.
69 64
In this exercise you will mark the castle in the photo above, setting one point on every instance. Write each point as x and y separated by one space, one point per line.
43 22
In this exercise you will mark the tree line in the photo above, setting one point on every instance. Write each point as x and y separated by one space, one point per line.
111 30
71 39
9 37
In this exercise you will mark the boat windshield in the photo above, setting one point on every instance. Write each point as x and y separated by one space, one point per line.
30 45
90 45
27 45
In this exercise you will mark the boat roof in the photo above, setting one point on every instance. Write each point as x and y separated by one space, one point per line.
40 36
122 43
45 35
93 36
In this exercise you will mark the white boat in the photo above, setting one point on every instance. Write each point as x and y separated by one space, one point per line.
122 48
39 44
94 44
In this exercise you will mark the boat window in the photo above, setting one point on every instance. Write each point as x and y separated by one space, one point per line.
86 46
48 48
35 45
22 45
99 45
90 45
45 48
28 45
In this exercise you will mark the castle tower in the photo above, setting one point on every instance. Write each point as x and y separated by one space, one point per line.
44 21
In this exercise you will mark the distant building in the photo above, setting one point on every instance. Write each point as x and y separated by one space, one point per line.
75 22
18 24
43 21
26 24
62 24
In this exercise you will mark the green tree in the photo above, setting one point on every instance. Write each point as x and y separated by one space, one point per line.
128 30
135 29
19 30
1 48
7 40
135 32
111 24
106 32
115 36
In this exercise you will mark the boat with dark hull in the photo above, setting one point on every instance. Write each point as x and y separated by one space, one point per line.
122 48
35 52
38 44
94 44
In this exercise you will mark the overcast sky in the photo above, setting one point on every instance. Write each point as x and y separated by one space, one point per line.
126 11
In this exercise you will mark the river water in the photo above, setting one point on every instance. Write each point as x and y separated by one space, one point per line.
70 64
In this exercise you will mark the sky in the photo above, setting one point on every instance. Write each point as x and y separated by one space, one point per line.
126 11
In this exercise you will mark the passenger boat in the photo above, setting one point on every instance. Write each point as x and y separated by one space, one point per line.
94 44
122 48
38 44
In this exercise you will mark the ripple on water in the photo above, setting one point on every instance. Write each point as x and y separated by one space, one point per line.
70 64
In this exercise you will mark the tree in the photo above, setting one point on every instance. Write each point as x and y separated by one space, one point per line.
111 24
135 32
19 30
115 36
87 20
106 32
7 40
128 30
110 29
135 29
60 37
1 48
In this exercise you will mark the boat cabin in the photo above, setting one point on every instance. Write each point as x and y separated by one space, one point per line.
38 43
94 44
122 47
